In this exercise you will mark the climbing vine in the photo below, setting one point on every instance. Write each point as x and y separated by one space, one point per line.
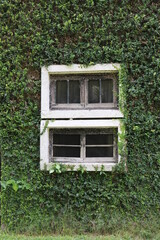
37 33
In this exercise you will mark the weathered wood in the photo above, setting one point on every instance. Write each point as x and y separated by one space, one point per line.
86 166
82 114
83 92
85 111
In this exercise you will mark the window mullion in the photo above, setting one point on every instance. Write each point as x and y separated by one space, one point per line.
82 93
83 146
100 91
51 153
55 92
52 95
114 147
86 92
84 143
114 93
67 91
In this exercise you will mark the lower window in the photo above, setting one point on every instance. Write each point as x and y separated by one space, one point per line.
83 145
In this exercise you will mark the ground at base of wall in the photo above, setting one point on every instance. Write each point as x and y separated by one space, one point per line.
125 236
135 230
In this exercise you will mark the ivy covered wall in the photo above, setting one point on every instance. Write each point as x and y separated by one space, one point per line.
36 33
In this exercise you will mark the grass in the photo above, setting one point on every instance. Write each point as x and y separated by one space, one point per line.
82 237
76 237
131 234
115 228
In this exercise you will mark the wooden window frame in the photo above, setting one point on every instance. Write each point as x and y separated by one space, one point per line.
48 111
53 104
101 125
83 158
80 116
83 79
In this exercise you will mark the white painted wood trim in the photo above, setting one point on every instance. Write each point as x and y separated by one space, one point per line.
103 113
61 124
44 147
77 68
72 69
119 132
44 90
83 123
87 166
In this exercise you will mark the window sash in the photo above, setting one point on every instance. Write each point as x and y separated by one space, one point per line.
83 146
83 92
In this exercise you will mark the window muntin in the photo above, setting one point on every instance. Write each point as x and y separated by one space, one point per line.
83 91
66 145
67 92
100 91
83 145
99 145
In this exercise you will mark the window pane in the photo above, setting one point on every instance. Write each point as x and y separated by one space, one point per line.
66 139
99 139
93 91
99 152
74 92
61 91
107 91
66 151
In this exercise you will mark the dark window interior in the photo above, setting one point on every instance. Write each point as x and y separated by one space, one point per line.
74 92
61 91
99 139
99 145
99 152
107 91
93 91
100 91
84 91
66 151
67 91
83 144
66 139
66 145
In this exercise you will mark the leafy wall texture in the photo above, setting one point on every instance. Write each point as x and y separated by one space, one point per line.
37 33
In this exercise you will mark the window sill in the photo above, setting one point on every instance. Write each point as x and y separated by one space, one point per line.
82 113
79 166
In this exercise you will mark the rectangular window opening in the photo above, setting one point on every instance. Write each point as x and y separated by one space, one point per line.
67 92
83 145
83 91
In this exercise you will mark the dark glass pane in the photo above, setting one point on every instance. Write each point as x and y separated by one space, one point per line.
61 91
66 139
66 151
74 92
107 91
93 91
99 152
99 139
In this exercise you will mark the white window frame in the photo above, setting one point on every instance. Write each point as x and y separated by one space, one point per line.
73 119
47 113
74 124
82 145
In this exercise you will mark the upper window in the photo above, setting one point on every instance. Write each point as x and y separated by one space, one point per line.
83 91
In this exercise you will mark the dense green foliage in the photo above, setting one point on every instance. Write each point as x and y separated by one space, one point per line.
36 33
